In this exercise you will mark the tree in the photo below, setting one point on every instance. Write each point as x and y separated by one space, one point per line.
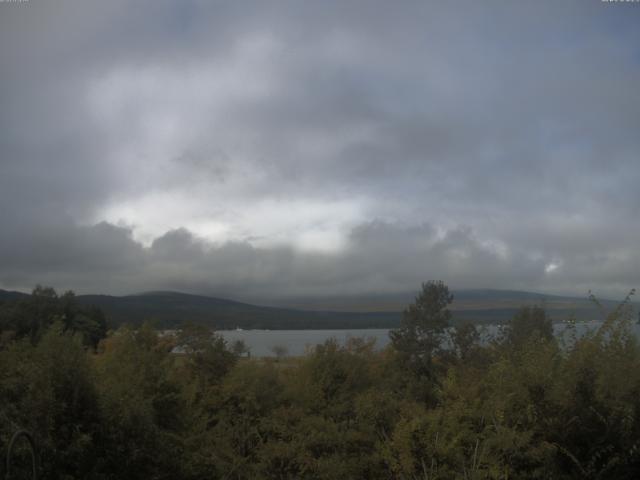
527 322
280 351
465 338
240 348
144 414
208 357
48 390
423 326
30 317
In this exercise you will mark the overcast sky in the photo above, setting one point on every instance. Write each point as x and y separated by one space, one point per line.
259 149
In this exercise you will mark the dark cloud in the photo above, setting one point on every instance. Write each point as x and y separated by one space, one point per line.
299 148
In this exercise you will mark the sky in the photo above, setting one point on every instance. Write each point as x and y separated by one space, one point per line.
302 148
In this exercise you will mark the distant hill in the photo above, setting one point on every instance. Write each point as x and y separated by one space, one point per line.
6 295
170 309
396 302
478 305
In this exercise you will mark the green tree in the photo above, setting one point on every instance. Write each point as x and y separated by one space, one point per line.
421 333
240 348
465 339
527 322
32 316
143 410
206 354
48 389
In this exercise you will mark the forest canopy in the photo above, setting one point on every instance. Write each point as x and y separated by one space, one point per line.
437 403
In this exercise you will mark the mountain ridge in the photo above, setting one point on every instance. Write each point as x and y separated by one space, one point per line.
169 309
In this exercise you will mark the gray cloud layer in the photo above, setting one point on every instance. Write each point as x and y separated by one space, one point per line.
256 149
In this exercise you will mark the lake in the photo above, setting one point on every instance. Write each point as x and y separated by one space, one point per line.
296 342
261 342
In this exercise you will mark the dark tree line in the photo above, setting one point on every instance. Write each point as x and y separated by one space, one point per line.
32 316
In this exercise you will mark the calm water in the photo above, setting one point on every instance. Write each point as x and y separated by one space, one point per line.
296 342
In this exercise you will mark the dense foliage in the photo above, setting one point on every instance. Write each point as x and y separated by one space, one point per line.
437 404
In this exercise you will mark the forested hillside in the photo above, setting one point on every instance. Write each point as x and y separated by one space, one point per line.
171 309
